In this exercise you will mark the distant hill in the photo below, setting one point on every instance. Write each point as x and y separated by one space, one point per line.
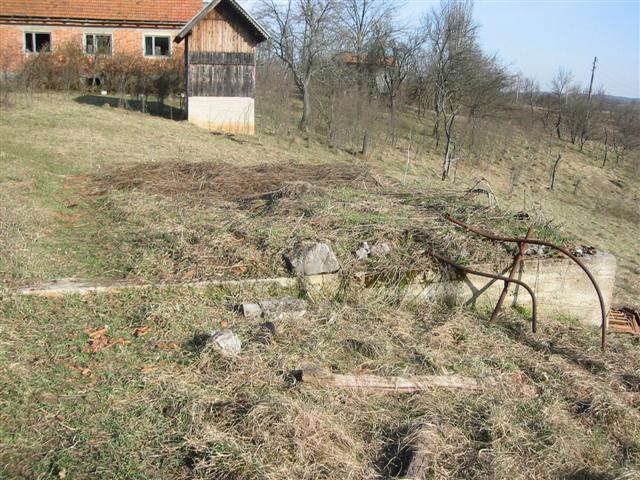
618 99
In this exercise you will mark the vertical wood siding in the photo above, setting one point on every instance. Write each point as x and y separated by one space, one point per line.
221 31
207 80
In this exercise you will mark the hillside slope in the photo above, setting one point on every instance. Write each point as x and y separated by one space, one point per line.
52 145
128 385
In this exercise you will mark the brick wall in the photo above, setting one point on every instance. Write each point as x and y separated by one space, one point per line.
11 46
124 40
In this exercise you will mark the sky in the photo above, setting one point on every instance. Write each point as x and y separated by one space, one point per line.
538 37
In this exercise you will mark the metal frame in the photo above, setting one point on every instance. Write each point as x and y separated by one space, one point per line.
517 263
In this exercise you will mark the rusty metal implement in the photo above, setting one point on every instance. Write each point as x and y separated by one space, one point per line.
516 264
506 281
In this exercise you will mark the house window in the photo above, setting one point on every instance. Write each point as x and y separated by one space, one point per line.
37 42
97 44
157 46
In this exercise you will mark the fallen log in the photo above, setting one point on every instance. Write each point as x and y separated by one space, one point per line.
423 446
323 377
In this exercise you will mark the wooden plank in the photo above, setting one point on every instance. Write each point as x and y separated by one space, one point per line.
222 58
221 80
416 383
222 30
323 377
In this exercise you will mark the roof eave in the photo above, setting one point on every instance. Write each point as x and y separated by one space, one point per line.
259 31
34 20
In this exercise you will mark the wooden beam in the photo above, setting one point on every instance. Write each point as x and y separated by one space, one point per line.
323 377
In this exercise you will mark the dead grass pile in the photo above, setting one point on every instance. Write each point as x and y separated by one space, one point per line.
226 181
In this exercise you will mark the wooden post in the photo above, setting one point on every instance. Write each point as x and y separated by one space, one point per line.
186 77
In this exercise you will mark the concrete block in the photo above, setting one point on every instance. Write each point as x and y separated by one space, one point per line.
225 114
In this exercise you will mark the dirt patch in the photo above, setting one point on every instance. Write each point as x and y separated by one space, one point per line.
227 181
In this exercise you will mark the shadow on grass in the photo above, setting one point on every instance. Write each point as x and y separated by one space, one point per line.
153 108
198 342
517 332
585 474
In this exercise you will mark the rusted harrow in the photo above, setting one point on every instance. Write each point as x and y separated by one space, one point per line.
516 267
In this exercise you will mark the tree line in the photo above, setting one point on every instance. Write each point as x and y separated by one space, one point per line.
355 67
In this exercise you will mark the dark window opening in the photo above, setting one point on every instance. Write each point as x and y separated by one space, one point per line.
157 46
97 44
37 42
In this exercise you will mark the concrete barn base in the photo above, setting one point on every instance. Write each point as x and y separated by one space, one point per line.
561 287
223 114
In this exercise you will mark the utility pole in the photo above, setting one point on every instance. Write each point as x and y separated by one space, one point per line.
585 130
593 71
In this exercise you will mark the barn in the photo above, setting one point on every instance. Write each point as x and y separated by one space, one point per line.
220 63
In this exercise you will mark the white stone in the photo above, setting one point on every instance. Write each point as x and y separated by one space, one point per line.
225 342
313 259
380 249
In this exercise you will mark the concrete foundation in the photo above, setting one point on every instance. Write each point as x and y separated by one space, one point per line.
560 286
224 114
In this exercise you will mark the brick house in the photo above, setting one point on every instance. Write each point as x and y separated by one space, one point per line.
144 27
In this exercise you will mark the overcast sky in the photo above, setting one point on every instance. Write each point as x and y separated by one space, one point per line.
537 37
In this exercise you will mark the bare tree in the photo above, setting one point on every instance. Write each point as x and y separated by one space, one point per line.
301 33
626 136
397 51
484 88
452 35
360 23
559 86
530 91
576 114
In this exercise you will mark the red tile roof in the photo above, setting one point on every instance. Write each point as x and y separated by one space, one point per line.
128 10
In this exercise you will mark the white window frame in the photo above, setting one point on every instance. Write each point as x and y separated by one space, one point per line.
153 45
33 40
96 34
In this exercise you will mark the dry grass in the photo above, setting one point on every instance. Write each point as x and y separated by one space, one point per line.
166 405
188 205
222 180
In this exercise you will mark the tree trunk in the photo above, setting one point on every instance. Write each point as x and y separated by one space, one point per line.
322 377
306 109
394 129
425 443
558 122
606 148
436 126
366 144
553 171
448 126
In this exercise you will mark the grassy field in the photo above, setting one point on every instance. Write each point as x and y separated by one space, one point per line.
100 193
